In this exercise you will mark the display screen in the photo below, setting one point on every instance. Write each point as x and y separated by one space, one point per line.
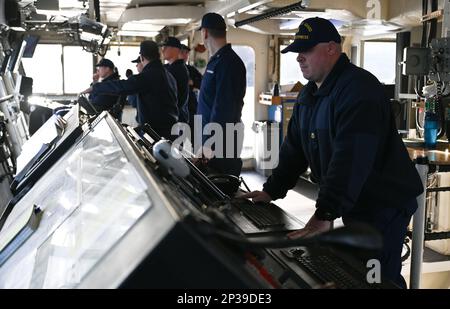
16 56
89 200
32 41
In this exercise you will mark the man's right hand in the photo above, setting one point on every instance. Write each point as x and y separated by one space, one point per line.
258 196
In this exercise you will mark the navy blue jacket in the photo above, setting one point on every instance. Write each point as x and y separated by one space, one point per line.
157 93
180 72
345 132
105 101
196 77
221 99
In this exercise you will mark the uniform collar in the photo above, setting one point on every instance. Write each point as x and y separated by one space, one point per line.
153 64
178 61
221 51
330 80
111 77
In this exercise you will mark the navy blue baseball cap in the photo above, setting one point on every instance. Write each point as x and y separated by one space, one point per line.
311 32
105 63
213 21
137 60
172 41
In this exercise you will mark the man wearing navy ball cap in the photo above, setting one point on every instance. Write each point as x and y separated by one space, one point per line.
155 87
171 50
343 129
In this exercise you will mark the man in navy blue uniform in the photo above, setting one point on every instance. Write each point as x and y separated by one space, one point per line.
222 92
171 50
107 102
195 81
156 89
342 127
133 98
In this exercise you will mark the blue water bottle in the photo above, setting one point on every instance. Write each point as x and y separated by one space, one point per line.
431 127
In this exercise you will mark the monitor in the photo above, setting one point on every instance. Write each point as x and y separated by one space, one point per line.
5 61
107 218
16 56
89 201
32 41
45 147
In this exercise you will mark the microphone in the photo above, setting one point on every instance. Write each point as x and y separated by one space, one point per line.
170 158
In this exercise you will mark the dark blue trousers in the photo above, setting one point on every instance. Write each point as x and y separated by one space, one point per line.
392 223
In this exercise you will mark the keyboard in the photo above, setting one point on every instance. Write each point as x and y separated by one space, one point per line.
262 215
329 269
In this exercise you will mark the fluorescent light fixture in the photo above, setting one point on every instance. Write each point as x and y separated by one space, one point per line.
113 2
79 4
162 15
141 26
66 13
249 7
290 24
171 21
137 33
70 4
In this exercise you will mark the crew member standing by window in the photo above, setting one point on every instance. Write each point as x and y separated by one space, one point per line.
195 81
222 93
171 50
156 89
107 102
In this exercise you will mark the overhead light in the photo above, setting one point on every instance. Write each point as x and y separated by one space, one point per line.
250 7
70 4
113 2
137 33
168 21
290 24
162 15
142 25
66 13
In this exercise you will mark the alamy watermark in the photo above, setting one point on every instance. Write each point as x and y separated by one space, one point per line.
374 9
374 274
226 141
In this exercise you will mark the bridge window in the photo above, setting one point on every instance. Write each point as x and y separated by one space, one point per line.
46 69
123 61
77 69
247 55
58 69
381 64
